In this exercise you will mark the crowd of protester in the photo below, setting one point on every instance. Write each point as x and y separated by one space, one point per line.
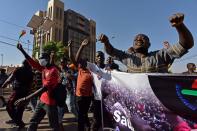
149 110
36 89
43 76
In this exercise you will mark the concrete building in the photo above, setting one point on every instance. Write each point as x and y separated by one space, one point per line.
67 25
77 28
36 32
55 12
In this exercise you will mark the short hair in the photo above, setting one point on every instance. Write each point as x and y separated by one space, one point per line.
188 64
101 53
146 37
25 63
2 70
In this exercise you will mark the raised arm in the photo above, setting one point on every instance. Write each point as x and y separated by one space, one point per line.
74 60
70 54
116 53
185 36
23 100
84 43
36 93
33 63
108 47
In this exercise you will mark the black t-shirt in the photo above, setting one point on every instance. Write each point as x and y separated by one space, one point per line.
23 78
3 78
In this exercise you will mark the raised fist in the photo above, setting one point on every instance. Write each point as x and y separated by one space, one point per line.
176 19
103 38
19 46
70 42
166 44
85 42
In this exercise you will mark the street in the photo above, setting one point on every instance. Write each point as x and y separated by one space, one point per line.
43 126
68 122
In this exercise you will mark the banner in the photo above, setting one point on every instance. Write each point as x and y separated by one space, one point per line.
132 100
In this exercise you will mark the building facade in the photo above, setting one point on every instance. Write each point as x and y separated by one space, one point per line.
67 25
77 28
55 12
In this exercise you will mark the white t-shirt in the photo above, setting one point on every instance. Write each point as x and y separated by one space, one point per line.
97 74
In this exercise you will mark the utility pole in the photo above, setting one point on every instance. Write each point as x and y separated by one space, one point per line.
28 43
1 59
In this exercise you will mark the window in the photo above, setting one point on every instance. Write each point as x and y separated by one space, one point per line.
60 14
69 17
48 36
60 34
56 34
81 19
51 15
57 13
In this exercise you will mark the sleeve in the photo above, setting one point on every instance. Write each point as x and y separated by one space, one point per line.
35 64
120 55
92 67
173 52
176 51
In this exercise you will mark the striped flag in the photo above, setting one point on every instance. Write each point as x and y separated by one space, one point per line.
23 32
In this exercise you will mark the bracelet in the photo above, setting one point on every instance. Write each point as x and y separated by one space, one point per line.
25 98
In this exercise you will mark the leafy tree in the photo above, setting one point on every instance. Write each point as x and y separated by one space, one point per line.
50 46
57 47
35 49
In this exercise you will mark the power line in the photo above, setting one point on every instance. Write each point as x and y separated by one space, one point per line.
6 43
13 39
13 24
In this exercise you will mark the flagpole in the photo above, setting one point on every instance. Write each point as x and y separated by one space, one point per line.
102 120
41 41
1 59
28 42
23 32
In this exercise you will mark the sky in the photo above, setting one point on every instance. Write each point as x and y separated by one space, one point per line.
120 20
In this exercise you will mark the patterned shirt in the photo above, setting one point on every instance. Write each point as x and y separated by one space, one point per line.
156 61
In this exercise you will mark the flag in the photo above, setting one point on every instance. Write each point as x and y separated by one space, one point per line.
23 32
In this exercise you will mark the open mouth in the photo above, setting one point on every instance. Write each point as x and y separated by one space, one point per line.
139 43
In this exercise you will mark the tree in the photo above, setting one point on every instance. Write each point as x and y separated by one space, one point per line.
59 49
62 51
